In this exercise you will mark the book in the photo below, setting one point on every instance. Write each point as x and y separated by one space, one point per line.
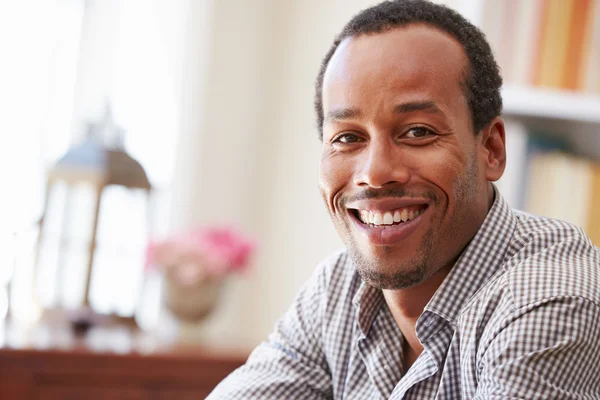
548 43
554 42
528 19
492 20
591 82
592 227
507 38
578 41
577 206
547 182
561 186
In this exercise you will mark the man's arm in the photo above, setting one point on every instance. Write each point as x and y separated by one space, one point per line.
291 364
549 350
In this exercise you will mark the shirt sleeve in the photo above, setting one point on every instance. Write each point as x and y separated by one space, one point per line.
549 350
291 363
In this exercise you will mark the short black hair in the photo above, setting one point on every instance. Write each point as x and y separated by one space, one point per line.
482 80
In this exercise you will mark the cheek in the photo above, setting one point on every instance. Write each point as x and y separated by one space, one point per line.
441 168
334 175
446 170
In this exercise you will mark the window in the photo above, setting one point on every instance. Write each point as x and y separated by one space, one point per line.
50 85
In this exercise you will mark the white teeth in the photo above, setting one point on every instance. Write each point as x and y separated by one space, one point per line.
364 215
388 219
377 219
404 215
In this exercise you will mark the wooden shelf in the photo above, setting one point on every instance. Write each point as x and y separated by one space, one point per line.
551 104
50 362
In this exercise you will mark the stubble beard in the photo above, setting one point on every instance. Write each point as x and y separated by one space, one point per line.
393 275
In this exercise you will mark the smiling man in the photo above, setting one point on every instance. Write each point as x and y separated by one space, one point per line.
442 291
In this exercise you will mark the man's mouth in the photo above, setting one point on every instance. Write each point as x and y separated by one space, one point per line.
379 219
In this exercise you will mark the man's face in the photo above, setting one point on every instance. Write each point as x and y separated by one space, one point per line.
402 173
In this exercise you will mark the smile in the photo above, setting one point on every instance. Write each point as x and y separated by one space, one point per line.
388 222
378 219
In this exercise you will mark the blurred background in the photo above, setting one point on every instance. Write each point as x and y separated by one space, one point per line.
214 99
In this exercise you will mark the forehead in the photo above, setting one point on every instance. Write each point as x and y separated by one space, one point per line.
411 62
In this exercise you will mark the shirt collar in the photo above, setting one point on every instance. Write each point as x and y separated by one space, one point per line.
367 301
480 261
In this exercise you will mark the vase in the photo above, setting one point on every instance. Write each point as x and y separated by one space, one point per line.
191 304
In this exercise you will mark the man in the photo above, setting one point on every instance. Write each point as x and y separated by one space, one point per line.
443 292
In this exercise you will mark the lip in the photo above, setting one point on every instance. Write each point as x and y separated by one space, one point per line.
391 234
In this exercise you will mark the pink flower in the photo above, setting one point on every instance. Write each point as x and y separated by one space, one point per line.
213 251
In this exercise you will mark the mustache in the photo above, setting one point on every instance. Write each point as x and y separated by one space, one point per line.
369 194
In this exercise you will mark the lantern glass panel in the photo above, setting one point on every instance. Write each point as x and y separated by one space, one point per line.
119 257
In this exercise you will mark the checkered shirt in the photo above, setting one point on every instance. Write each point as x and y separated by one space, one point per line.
517 317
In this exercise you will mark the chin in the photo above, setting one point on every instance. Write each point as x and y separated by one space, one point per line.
389 272
393 280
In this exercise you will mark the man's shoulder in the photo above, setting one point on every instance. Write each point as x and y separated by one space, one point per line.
544 231
548 262
550 258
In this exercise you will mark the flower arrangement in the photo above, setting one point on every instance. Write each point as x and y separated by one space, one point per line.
201 253
195 264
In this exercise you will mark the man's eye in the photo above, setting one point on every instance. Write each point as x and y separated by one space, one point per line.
347 138
419 132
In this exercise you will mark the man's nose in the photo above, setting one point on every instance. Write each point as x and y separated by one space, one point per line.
382 163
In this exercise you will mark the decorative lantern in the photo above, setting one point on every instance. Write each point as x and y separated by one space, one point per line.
97 166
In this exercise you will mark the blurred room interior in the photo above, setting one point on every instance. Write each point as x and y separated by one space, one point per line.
214 100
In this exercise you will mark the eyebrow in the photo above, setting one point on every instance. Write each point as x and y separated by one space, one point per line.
341 114
426 106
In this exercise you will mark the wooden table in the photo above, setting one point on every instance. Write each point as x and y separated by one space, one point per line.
50 363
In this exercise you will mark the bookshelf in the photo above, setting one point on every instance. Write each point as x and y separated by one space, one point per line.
553 104
549 55
568 116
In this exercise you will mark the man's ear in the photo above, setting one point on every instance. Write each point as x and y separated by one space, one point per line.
493 149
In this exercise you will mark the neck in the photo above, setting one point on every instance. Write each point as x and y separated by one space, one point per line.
408 304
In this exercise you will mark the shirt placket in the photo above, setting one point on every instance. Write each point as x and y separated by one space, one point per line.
380 349
435 335
382 371
423 368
